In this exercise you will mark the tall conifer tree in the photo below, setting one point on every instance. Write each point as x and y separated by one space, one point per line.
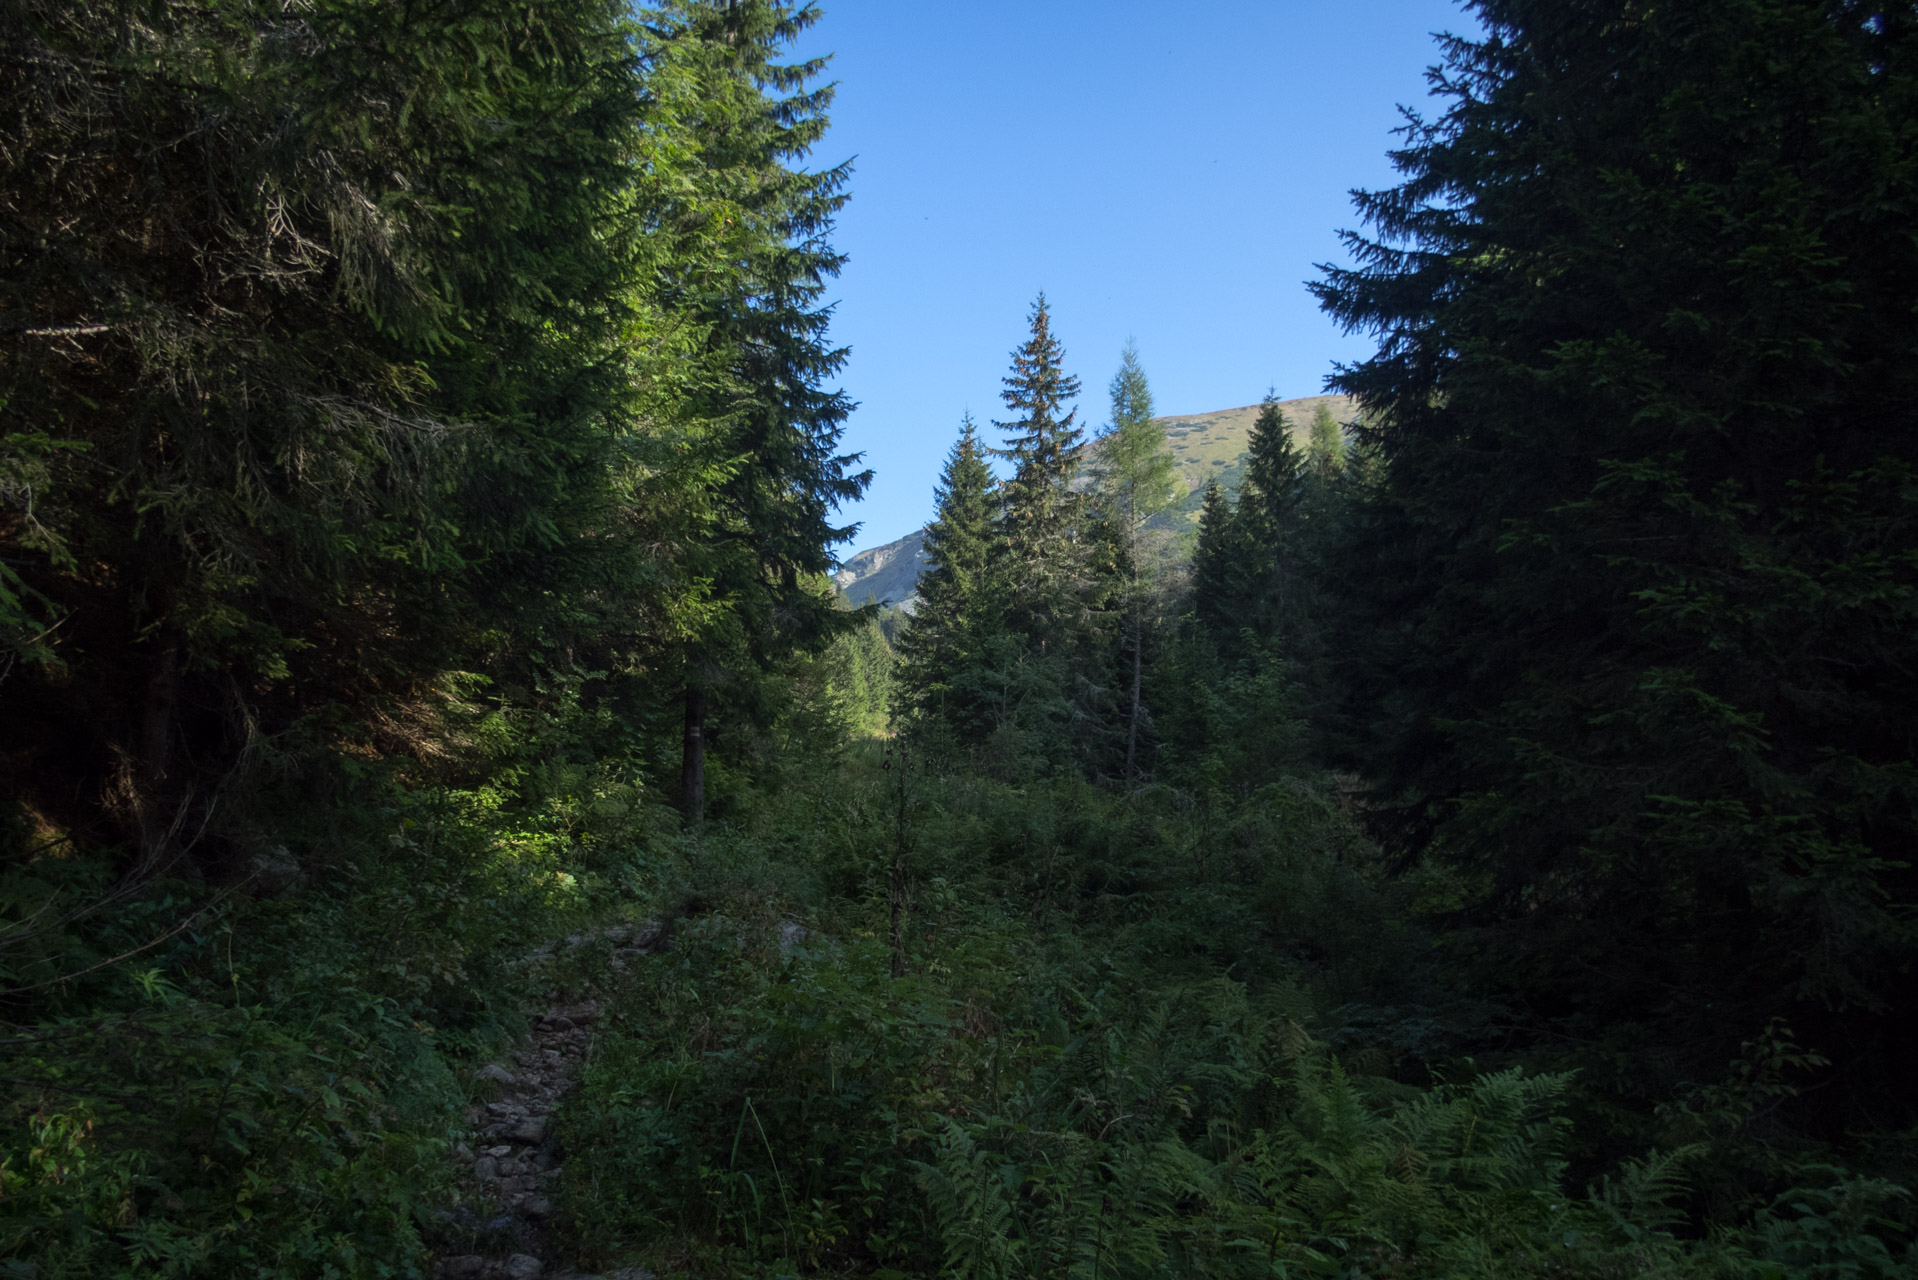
1040 512
1267 522
1326 450
769 361
1218 567
1632 610
955 594
1137 479
296 383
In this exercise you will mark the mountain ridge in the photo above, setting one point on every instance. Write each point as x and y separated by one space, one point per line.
1205 446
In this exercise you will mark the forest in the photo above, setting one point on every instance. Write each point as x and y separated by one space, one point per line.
451 824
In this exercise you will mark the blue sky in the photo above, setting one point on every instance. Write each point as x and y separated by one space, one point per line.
1169 173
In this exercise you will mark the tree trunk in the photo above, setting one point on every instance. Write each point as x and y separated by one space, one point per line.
692 762
156 721
145 782
1138 663
898 882
897 889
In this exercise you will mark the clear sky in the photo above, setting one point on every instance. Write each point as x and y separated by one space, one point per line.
1165 172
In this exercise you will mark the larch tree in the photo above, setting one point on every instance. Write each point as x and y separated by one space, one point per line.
1325 451
1136 479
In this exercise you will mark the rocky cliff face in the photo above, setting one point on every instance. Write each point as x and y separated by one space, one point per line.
888 574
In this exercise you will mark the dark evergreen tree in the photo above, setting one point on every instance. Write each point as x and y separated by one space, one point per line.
298 383
1220 599
1040 512
1632 604
956 595
776 421
1268 526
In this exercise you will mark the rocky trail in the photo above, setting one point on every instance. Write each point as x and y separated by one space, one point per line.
511 1159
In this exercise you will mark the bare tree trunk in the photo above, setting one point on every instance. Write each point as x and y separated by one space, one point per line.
156 727
898 882
692 761
897 890
1138 663
143 780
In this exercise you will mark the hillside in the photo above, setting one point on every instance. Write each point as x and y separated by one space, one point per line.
1206 446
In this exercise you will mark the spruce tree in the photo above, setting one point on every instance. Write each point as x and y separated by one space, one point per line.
298 383
755 293
1040 512
1219 596
1267 521
1630 606
954 608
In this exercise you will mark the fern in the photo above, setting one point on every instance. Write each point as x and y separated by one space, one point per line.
1642 1202
969 1197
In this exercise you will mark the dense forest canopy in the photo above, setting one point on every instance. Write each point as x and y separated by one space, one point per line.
449 823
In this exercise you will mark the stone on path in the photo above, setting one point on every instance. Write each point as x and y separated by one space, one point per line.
508 1169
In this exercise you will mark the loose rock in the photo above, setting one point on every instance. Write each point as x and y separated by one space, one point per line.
511 1168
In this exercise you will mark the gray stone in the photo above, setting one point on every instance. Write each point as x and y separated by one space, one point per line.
485 1169
464 1152
275 871
537 1207
501 1150
531 1131
523 1266
494 1071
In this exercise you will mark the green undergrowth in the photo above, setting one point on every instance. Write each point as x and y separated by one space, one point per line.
268 1085
911 1022
918 1023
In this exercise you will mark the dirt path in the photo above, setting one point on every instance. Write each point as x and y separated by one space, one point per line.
509 1163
